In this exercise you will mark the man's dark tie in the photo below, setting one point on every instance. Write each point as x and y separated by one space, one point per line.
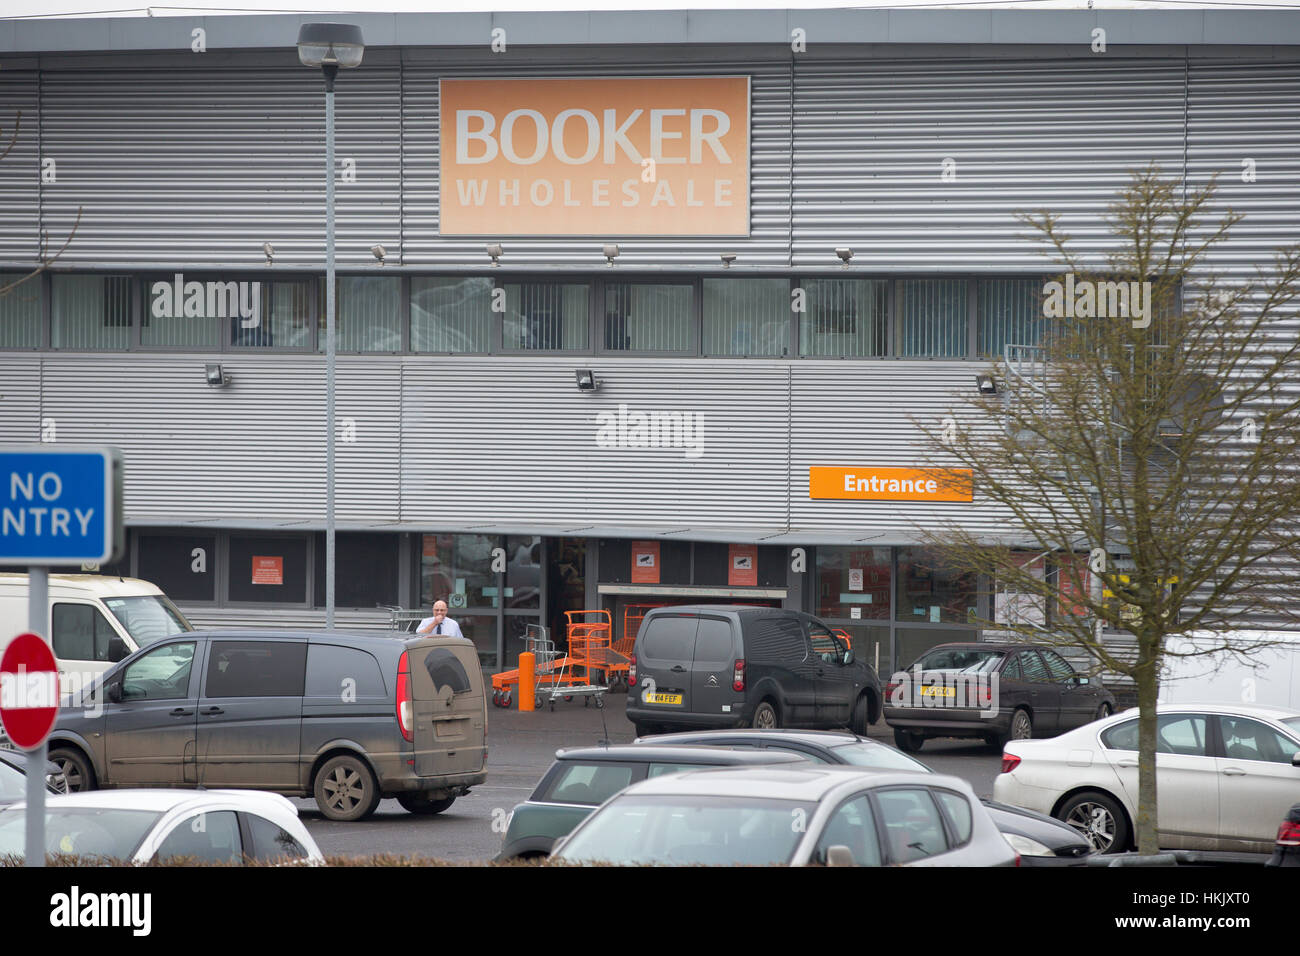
438 629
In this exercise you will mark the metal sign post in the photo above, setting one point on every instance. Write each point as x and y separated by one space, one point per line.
38 612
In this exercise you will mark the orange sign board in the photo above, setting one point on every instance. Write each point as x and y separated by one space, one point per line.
867 483
599 156
742 565
268 570
645 562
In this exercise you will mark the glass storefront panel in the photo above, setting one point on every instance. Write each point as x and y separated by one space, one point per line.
20 311
746 316
365 569
452 565
285 324
482 630
368 314
451 314
933 317
645 317
523 572
90 312
844 318
854 579
268 569
189 312
932 592
545 316
1010 313
915 641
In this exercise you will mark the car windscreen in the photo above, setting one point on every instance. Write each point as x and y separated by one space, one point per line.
79 831
671 830
13 784
147 618
878 756
961 660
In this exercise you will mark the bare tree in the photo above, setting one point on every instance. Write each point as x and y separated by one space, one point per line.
44 259
1157 418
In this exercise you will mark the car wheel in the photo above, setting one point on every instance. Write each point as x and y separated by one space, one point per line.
345 789
1098 819
1103 712
765 716
908 740
78 774
419 802
645 730
860 722
1022 725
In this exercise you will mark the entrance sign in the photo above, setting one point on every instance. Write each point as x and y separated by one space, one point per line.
29 691
60 505
598 156
868 483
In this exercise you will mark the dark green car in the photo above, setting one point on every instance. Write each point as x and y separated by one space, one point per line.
581 780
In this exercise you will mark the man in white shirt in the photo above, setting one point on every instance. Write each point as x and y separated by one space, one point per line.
440 623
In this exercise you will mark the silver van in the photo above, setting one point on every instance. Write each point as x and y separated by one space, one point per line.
349 719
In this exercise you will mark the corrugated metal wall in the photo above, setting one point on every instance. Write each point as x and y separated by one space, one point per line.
20 173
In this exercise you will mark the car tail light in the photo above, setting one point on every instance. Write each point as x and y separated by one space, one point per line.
890 688
1288 834
405 706
1009 762
1017 859
738 676
631 671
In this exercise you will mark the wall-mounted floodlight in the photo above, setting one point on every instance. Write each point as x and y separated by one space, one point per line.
727 259
845 255
217 376
610 252
986 384
586 380
378 252
494 250
270 252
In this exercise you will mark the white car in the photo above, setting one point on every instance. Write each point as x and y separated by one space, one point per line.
1225 775
205 826
763 816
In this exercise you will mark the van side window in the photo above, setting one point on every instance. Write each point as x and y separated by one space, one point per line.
825 644
256 669
80 633
778 640
330 668
161 674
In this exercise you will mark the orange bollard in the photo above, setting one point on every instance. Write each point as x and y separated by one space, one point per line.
527 681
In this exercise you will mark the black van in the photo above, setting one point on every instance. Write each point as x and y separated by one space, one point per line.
726 666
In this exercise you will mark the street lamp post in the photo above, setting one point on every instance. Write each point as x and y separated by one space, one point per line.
331 47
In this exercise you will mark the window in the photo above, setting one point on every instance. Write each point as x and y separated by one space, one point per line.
365 569
670 637
746 316
825 644
524 572
1245 739
285 319
913 826
713 642
80 633
545 316
850 579
1058 667
90 311
959 814
368 312
934 317
204 838
451 314
183 566
268 570
1010 313
589 783
844 318
20 311
776 640
1175 734
271 841
853 825
931 591
457 564
256 669
1012 671
161 674
189 312
1033 668
646 317
333 670
148 617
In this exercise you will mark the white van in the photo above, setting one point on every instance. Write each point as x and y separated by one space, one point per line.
1270 677
95 620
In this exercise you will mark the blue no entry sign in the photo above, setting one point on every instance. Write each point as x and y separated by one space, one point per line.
60 505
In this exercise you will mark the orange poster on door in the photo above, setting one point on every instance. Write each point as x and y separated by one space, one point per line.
742 565
268 570
645 562
598 156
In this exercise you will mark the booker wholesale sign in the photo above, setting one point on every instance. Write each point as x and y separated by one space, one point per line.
866 483
603 156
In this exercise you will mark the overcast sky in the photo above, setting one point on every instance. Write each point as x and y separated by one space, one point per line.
38 8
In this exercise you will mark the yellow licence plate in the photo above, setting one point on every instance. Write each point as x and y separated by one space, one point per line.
664 699
938 691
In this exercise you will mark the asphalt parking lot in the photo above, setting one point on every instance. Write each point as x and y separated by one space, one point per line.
521 746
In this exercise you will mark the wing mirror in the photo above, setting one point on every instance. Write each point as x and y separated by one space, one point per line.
848 657
839 856
117 650
114 691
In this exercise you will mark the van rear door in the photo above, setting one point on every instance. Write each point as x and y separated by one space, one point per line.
713 668
449 704
664 658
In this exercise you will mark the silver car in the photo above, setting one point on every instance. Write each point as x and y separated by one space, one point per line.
763 816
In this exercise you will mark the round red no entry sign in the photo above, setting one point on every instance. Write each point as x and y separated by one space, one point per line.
29 691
